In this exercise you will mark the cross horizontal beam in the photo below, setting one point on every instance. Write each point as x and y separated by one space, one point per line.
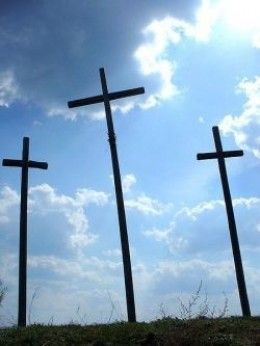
222 154
21 163
100 98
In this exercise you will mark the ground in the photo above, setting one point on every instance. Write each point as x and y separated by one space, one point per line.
235 331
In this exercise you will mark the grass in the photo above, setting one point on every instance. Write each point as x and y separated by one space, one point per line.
235 331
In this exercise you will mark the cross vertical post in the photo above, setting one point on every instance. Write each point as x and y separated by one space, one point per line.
106 97
220 155
25 164
23 237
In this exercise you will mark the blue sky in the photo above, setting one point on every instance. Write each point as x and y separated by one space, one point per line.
199 64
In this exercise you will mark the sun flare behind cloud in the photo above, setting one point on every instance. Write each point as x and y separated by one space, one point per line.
242 15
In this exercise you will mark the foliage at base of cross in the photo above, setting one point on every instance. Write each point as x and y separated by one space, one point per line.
233 331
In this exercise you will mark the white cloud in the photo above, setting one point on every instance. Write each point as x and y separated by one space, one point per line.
49 199
203 207
87 196
68 114
203 227
147 206
206 17
44 199
159 234
245 126
240 17
73 114
97 115
142 203
122 107
194 212
9 91
92 268
214 270
8 198
128 181
168 236
154 58
113 253
246 202
200 208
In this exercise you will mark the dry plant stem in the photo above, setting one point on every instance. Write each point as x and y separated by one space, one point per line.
34 296
3 291
82 318
186 310
113 308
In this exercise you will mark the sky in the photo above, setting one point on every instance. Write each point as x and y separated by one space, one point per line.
199 64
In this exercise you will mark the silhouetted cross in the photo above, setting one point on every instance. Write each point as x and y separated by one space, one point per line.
220 155
25 164
106 97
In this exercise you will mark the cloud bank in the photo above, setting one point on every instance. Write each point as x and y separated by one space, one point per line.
245 126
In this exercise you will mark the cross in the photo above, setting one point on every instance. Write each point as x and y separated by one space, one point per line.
25 164
220 155
106 97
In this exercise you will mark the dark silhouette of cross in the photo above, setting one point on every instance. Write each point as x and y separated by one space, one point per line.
220 155
25 164
106 97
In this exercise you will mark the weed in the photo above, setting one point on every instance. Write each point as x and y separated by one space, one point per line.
3 290
199 307
35 295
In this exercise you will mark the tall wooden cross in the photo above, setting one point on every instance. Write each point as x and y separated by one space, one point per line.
25 164
220 155
106 97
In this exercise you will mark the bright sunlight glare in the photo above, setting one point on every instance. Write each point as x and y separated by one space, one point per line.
243 15
240 16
